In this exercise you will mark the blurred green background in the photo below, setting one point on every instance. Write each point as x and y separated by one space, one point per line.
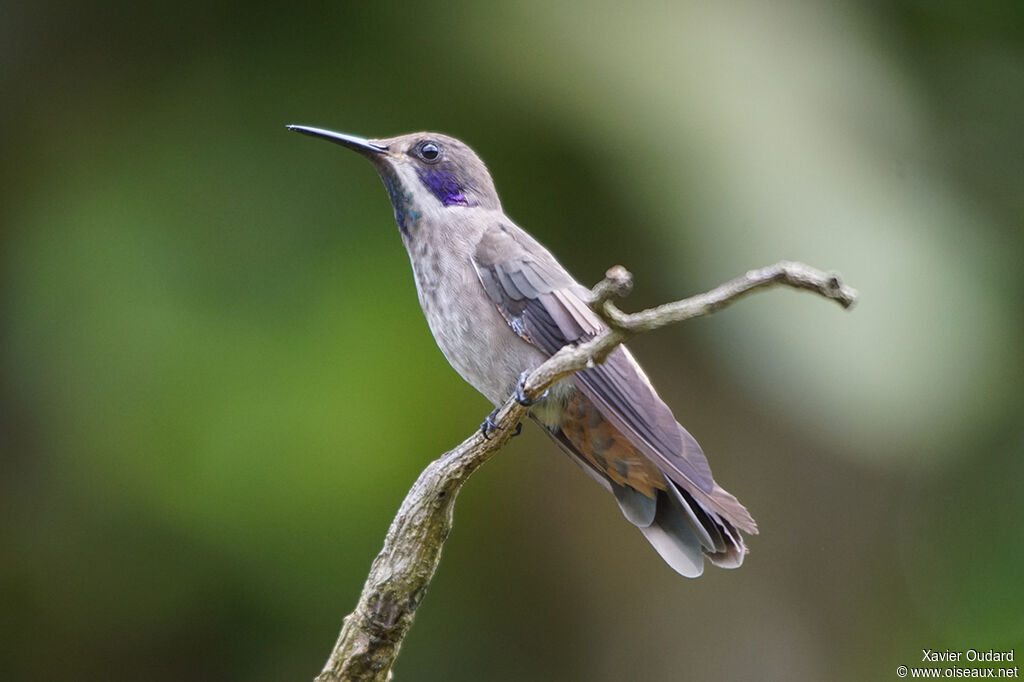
217 384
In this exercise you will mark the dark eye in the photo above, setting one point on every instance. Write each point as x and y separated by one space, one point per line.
430 152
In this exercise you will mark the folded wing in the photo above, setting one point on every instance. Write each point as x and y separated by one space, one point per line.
546 307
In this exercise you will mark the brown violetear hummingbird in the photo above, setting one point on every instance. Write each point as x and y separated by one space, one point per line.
499 304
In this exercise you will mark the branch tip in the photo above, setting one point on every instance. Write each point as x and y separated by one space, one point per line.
617 283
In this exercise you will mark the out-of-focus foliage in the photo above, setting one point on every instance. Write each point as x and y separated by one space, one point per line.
217 384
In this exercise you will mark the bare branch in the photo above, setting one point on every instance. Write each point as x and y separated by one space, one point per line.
622 325
400 575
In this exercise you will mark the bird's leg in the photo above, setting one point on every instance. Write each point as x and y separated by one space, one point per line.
521 391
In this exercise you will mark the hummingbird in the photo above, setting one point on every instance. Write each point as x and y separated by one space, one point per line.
499 304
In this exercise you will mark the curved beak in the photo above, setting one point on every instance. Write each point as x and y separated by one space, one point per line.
359 144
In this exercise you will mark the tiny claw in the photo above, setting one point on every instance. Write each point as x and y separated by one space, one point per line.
519 429
521 391
490 425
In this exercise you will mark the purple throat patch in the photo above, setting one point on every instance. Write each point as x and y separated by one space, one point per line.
443 185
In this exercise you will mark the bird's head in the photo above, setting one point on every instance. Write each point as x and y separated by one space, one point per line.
426 174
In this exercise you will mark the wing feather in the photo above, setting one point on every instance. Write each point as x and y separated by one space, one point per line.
547 308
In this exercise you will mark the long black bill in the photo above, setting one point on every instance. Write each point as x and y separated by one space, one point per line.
359 144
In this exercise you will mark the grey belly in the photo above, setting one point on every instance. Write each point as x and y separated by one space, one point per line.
478 343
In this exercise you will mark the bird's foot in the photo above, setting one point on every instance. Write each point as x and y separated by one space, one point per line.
490 426
521 391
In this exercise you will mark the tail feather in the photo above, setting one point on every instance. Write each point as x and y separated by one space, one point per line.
727 548
639 509
683 526
721 504
673 536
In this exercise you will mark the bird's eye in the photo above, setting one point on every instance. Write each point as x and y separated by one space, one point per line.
430 152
